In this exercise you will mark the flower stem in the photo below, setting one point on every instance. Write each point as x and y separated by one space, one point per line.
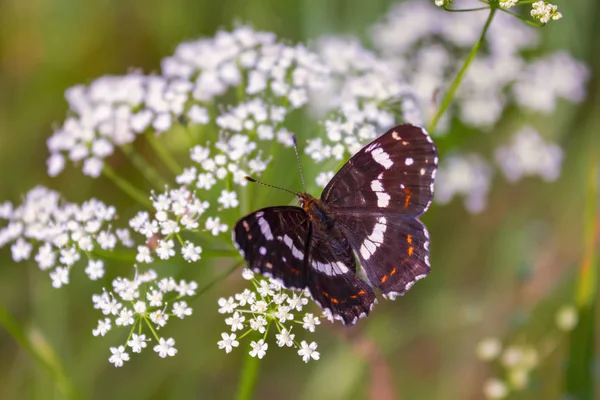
43 353
144 167
125 186
248 378
163 154
459 77
466 9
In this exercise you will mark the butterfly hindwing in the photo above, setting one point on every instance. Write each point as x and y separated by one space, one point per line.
392 174
393 251
273 242
332 278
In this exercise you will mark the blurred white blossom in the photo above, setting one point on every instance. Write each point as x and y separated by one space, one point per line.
529 154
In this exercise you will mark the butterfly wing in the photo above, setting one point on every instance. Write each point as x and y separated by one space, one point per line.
377 196
332 278
393 251
273 241
392 174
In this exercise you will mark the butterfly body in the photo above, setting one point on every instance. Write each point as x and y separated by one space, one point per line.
366 220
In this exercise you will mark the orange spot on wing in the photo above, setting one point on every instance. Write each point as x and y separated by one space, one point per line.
354 296
384 279
409 239
334 300
407 198
393 271
361 292
410 251
325 294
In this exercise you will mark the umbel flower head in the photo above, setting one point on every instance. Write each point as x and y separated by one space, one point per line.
267 306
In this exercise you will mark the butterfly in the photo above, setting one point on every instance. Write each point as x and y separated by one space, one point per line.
362 233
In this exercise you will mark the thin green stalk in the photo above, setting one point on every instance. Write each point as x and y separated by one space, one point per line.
579 375
459 77
44 355
163 154
216 280
524 19
127 187
248 378
466 9
144 167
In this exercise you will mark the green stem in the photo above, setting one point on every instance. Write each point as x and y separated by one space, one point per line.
524 19
163 154
127 187
37 346
144 167
459 77
466 9
216 280
249 377
124 256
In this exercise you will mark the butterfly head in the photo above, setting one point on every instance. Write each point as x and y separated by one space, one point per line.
316 210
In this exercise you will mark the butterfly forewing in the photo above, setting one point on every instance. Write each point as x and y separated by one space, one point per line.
273 241
392 174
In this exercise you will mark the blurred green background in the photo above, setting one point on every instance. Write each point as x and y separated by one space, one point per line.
502 273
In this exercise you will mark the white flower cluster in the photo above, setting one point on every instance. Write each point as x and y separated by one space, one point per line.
426 46
468 175
176 210
508 4
114 109
255 311
359 98
544 12
56 233
518 361
529 154
143 304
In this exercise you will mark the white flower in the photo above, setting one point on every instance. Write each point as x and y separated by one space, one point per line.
60 276
512 356
155 297
310 321
544 12
20 250
187 289
137 343
103 327
165 249
443 3
258 324
181 309
45 257
323 178
228 342
489 348
125 317
228 199
494 388
259 349
118 356
508 3
247 274
69 257
159 318
246 297
283 314
191 252
285 338
140 307
214 225
308 351
95 269
165 348
143 255
566 318
227 305
236 321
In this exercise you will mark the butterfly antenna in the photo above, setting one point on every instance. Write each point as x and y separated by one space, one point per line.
298 161
250 179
